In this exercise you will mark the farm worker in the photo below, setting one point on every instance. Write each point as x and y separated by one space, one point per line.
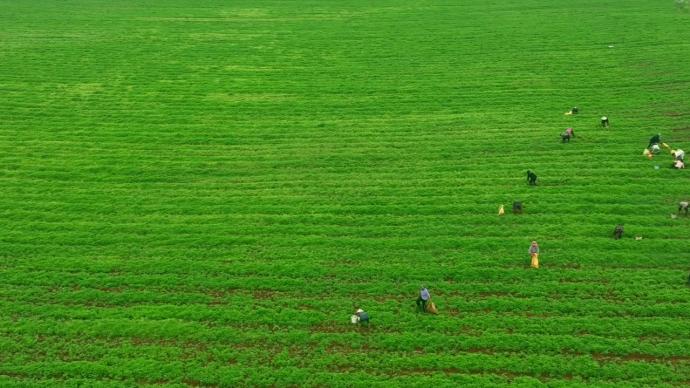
565 136
683 207
656 139
534 254
618 232
679 154
423 298
501 211
572 111
362 317
531 178
604 121
679 164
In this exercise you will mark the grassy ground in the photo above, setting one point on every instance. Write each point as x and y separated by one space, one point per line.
202 192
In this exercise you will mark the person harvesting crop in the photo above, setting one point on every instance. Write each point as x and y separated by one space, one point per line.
423 298
656 139
531 178
604 121
683 207
534 254
567 135
678 154
618 232
361 317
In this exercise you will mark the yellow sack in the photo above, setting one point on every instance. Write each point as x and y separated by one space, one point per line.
501 211
431 308
665 145
646 152
535 260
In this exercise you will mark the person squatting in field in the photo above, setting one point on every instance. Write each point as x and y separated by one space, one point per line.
678 154
678 159
604 121
531 178
567 135
361 317
683 207
618 232
534 254
423 299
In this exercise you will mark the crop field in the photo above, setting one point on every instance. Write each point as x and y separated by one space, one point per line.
201 193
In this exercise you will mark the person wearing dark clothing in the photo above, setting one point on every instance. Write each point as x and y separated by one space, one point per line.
517 207
531 178
604 121
423 299
618 232
363 317
567 135
656 139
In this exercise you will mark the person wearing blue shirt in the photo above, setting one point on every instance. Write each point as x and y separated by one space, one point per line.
423 299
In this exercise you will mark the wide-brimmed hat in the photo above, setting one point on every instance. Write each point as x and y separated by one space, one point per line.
360 311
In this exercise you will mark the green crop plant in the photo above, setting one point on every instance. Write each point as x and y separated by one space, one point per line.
203 193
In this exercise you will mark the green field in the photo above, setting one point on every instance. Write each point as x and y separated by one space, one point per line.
202 192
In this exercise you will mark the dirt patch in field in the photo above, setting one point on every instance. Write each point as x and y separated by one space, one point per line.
639 357
263 294
675 114
248 97
493 293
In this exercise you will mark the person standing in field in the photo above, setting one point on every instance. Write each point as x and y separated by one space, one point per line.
534 254
604 121
531 178
423 298
618 232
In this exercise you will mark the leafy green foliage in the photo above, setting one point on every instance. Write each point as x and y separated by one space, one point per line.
201 193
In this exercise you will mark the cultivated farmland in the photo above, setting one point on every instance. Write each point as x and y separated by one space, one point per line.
202 192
